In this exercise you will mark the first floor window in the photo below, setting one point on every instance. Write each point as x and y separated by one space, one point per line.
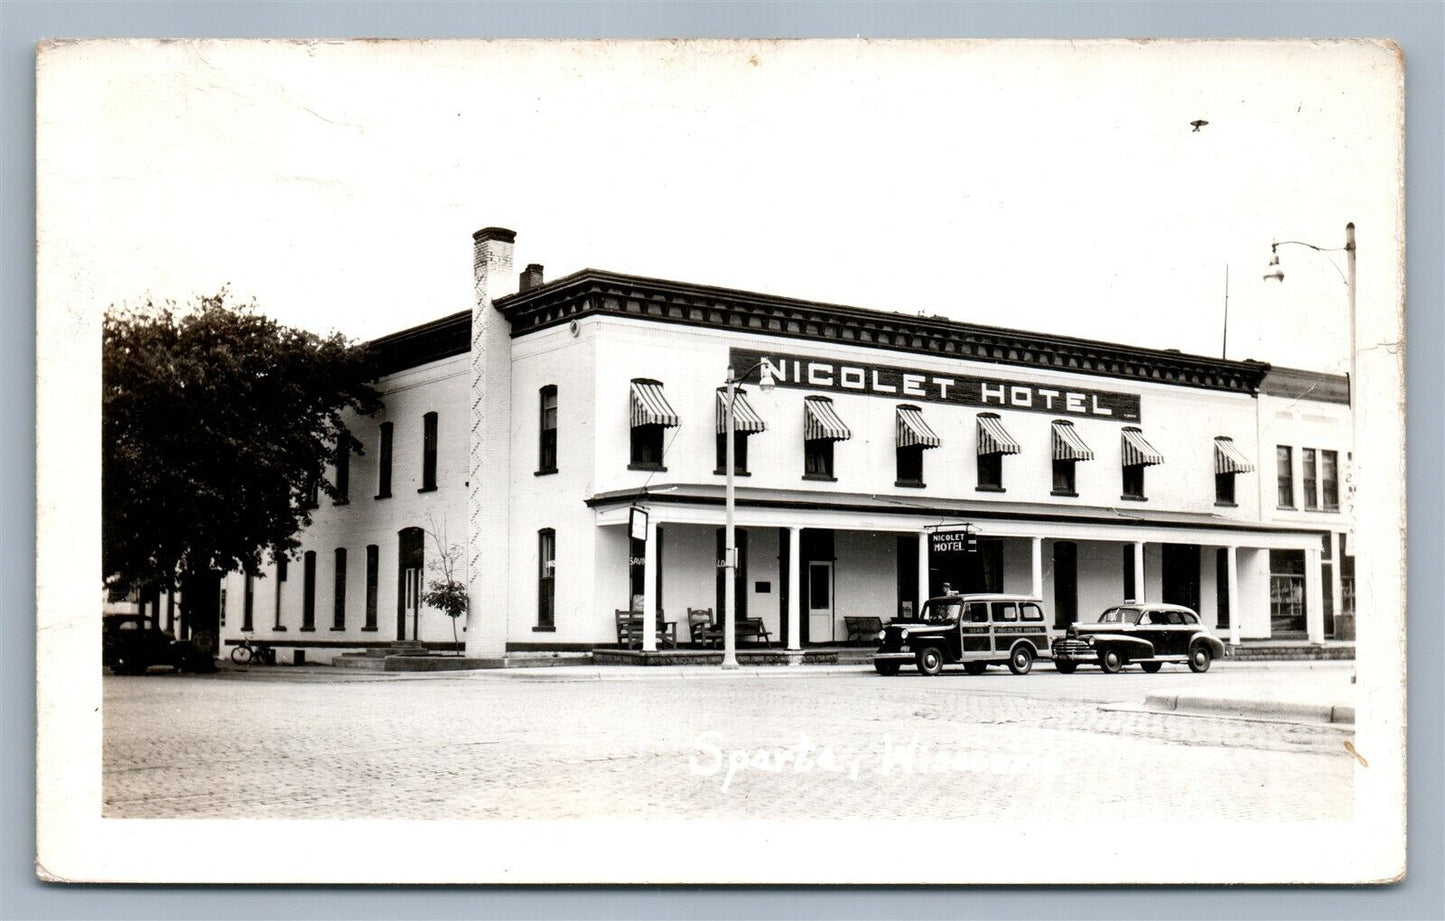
910 465
308 591
1064 482
1224 489
338 602
818 457
373 561
1221 575
1134 481
546 577
281 567
248 604
1286 592
1131 590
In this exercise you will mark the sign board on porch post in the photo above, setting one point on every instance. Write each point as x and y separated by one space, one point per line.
637 523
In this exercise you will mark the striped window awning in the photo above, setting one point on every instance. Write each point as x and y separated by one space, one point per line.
913 432
745 418
1137 452
650 407
1068 446
1227 458
821 422
993 438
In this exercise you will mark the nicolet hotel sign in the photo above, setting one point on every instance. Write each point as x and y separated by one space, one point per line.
809 372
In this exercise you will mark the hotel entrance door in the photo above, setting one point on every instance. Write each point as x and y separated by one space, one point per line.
820 601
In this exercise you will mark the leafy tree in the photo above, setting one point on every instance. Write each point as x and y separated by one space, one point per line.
219 425
446 593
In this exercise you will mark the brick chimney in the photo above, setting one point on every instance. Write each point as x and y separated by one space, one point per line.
488 490
531 277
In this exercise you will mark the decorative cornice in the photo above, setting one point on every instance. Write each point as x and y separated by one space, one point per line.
593 292
1295 384
410 348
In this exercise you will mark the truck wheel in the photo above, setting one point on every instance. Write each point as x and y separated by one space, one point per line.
887 669
1021 660
1065 667
1111 662
1199 658
930 660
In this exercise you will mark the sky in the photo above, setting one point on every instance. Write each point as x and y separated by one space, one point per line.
1056 187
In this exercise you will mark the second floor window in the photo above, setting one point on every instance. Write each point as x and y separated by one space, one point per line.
1330 480
343 469
1064 478
1309 478
912 436
547 438
428 452
994 442
650 415
1284 473
383 462
1136 453
740 453
821 429
746 422
1068 449
1228 462
1224 489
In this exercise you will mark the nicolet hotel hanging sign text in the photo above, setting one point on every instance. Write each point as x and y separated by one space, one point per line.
809 372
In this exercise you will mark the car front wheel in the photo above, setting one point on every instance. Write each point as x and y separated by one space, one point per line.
886 669
1020 660
1111 662
1199 658
930 661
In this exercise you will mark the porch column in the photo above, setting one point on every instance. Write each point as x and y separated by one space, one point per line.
1038 551
795 588
649 587
1236 608
922 573
1314 596
1139 590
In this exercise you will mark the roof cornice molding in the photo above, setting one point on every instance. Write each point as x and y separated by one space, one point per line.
592 292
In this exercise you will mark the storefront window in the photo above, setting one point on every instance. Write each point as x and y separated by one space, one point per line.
1286 592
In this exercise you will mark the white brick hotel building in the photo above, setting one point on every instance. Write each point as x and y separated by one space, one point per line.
527 429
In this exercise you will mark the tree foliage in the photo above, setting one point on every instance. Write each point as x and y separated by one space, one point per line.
217 421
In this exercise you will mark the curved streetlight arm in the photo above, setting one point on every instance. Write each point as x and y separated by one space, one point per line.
1347 248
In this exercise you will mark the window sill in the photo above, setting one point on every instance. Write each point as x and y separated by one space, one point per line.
278 629
544 629
1285 508
368 629
1066 493
910 484
735 473
1134 498
547 472
820 477
1331 511
308 629
1218 504
989 489
382 495
338 629
427 489
655 468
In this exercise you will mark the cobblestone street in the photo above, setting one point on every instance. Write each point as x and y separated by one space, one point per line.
320 743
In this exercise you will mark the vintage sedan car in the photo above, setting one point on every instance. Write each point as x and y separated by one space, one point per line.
1141 633
977 630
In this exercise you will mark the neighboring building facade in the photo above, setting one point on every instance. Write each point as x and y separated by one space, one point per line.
524 434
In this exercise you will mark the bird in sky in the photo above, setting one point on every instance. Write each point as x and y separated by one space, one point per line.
1198 123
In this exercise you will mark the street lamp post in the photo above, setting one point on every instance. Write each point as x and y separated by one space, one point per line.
1276 273
730 549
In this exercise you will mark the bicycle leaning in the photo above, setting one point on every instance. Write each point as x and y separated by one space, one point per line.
249 653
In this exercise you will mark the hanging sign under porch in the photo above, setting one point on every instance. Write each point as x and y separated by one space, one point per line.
809 372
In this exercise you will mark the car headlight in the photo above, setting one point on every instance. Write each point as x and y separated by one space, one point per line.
882 635
903 634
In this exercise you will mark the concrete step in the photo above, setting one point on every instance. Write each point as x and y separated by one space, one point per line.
1291 652
360 660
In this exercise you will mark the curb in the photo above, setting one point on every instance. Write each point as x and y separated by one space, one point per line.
1251 708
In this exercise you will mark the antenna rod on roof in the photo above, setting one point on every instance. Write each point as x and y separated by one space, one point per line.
1224 344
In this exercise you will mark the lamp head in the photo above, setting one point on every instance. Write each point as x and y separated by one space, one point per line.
765 381
1273 271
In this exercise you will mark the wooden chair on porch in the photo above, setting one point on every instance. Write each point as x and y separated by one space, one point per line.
701 630
629 630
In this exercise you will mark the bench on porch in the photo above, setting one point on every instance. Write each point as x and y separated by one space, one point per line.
629 630
703 632
863 629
